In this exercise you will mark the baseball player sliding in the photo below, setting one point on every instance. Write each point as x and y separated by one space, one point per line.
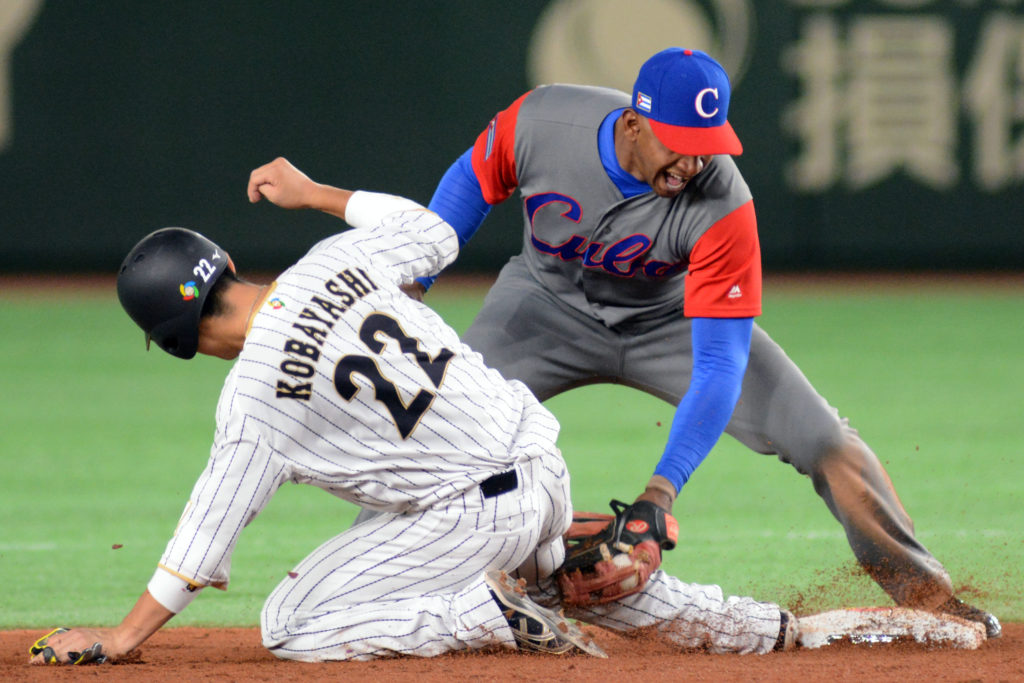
342 382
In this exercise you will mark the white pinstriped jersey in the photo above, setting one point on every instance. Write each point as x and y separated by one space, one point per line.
347 384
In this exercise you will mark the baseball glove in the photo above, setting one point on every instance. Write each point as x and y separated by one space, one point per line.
91 655
608 557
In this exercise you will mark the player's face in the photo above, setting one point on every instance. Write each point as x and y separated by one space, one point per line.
664 170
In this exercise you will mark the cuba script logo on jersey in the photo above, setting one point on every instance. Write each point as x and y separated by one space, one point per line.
621 258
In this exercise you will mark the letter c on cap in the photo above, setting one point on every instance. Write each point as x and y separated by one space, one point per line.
699 103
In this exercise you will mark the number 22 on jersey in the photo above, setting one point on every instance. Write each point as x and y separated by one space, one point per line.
405 416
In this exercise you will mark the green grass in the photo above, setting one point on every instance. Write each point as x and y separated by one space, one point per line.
101 443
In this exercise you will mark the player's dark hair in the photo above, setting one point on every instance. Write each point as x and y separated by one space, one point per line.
216 302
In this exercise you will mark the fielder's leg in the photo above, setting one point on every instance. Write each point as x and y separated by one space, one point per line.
780 412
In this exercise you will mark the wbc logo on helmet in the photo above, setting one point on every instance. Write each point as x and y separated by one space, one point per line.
189 291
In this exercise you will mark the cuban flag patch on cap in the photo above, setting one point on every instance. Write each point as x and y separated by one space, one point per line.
643 101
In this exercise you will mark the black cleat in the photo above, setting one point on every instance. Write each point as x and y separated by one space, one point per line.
959 608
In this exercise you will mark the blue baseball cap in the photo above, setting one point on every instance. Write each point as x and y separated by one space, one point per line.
685 96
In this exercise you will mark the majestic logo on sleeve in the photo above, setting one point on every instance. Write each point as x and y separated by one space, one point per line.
621 258
491 129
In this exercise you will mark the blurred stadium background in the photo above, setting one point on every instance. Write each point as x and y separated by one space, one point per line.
879 134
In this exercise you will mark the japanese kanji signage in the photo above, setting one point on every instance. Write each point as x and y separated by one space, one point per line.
878 134
881 94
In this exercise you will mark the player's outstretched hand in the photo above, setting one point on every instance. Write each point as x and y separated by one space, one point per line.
74 646
283 184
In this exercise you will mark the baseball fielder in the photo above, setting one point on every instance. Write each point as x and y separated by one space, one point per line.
641 266
343 382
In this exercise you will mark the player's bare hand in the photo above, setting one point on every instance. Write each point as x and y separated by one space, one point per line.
283 184
75 646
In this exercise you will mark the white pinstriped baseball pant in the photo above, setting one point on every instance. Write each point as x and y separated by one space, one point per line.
412 583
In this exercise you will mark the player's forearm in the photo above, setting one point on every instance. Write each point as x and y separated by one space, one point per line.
720 349
368 209
660 491
329 199
145 618
459 200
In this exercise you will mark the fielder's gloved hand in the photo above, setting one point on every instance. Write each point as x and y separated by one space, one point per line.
91 655
608 557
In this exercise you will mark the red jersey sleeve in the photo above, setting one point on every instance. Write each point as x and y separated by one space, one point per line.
494 161
724 278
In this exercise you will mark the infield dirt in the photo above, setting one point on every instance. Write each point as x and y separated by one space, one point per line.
193 654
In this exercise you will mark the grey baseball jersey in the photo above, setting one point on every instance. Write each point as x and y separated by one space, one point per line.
597 295
618 259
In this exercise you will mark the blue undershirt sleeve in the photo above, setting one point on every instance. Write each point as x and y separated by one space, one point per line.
721 347
459 200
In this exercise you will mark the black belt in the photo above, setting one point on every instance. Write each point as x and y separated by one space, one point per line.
499 484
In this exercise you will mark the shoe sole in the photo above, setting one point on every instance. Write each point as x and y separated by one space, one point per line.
514 596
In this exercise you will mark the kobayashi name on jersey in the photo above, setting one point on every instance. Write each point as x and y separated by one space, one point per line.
321 312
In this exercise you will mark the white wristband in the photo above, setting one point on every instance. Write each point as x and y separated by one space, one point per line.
173 592
366 209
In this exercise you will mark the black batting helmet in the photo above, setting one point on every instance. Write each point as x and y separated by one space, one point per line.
163 283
